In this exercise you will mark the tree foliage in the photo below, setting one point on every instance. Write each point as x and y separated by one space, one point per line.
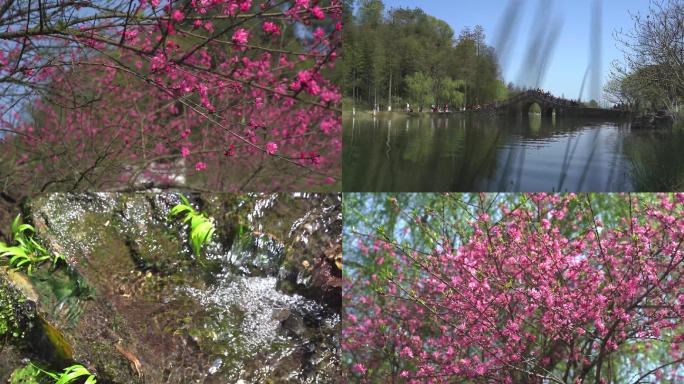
390 51
652 74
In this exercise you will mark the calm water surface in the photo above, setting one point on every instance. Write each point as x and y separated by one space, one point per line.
458 153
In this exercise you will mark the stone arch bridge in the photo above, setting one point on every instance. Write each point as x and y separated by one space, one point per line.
520 105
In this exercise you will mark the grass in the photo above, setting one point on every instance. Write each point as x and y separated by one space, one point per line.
26 252
201 227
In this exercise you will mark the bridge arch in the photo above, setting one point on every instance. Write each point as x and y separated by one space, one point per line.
549 111
539 107
532 107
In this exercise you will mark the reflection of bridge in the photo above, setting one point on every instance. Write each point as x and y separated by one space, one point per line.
520 105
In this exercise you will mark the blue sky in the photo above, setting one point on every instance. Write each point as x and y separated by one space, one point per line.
570 58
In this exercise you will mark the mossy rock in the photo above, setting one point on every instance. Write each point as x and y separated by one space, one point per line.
26 326
16 311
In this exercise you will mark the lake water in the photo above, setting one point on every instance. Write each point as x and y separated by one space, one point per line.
395 152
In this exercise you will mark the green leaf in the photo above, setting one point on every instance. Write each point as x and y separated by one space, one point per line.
22 242
16 257
40 259
201 234
201 228
25 228
196 221
13 251
56 259
37 247
184 200
179 209
22 262
27 252
15 224
72 373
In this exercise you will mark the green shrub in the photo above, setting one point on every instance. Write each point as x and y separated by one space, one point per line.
26 251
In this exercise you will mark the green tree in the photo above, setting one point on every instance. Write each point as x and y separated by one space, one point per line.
420 88
449 92
383 48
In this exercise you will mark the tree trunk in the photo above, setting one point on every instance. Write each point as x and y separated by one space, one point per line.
389 101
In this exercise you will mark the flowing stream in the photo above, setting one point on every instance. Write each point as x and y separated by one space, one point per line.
260 304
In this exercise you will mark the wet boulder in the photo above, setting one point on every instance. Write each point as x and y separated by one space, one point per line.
17 311
256 254
312 264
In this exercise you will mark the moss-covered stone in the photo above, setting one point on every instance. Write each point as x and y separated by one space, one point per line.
16 312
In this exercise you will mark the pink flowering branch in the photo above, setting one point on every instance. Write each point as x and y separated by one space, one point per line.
245 75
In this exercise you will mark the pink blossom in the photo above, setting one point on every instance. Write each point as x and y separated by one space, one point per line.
240 36
177 15
317 12
245 5
330 96
359 368
271 148
200 166
270 27
406 352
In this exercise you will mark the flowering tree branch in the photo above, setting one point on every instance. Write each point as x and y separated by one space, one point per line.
524 288
248 76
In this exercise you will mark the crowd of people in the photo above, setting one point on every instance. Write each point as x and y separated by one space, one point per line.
442 108
555 99
436 108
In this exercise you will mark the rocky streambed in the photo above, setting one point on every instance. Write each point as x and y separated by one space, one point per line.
134 304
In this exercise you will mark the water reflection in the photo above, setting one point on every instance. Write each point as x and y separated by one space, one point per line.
459 153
